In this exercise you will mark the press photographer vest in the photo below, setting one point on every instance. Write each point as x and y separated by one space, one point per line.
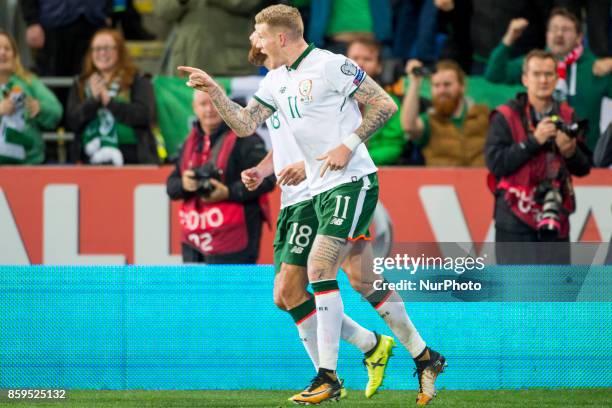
211 228
519 187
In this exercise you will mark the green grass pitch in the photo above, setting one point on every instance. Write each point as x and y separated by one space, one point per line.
542 398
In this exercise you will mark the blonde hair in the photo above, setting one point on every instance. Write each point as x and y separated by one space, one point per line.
18 68
281 16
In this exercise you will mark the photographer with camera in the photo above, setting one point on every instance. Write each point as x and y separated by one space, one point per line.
582 79
221 220
453 131
533 147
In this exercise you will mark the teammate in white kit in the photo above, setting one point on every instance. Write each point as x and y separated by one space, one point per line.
316 92
295 231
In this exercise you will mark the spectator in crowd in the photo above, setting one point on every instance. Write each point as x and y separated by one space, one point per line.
491 17
582 80
597 21
60 31
455 19
198 25
129 19
416 27
26 107
453 131
336 23
532 161
221 220
111 106
386 144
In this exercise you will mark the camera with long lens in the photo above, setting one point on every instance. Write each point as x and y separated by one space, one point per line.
203 175
422 71
548 194
573 129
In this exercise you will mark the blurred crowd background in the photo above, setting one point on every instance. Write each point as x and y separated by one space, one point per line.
94 81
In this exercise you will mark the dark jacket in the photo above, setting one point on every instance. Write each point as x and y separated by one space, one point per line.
139 114
247 153
504 156
590 88
59 13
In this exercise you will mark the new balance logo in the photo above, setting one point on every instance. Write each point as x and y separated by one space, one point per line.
282 90
336 221
297 250
323 308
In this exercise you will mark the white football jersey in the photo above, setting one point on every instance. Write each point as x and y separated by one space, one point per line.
314 97
285 151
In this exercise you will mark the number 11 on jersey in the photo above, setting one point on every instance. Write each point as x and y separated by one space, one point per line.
293 108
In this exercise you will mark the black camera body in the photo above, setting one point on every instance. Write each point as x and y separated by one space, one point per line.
203 175
422 71
573 129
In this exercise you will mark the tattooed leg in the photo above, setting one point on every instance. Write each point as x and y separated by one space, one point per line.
325 257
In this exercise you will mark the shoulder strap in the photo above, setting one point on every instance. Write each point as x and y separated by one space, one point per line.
222 149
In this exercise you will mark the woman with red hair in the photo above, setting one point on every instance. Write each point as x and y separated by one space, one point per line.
111 106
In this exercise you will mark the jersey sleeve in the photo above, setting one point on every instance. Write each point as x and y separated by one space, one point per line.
344 75
263 94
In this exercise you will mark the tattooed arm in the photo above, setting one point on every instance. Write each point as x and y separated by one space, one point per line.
381 108
243 121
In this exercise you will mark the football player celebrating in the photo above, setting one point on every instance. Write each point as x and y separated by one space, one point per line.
317 94
295 231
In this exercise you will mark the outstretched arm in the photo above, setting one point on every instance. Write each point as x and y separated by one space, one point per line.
243 121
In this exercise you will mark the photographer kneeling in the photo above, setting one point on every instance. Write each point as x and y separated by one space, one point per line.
533 147
221 220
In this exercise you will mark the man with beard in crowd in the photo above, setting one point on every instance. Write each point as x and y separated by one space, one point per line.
453 131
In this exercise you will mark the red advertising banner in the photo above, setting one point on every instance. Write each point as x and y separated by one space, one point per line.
93 215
